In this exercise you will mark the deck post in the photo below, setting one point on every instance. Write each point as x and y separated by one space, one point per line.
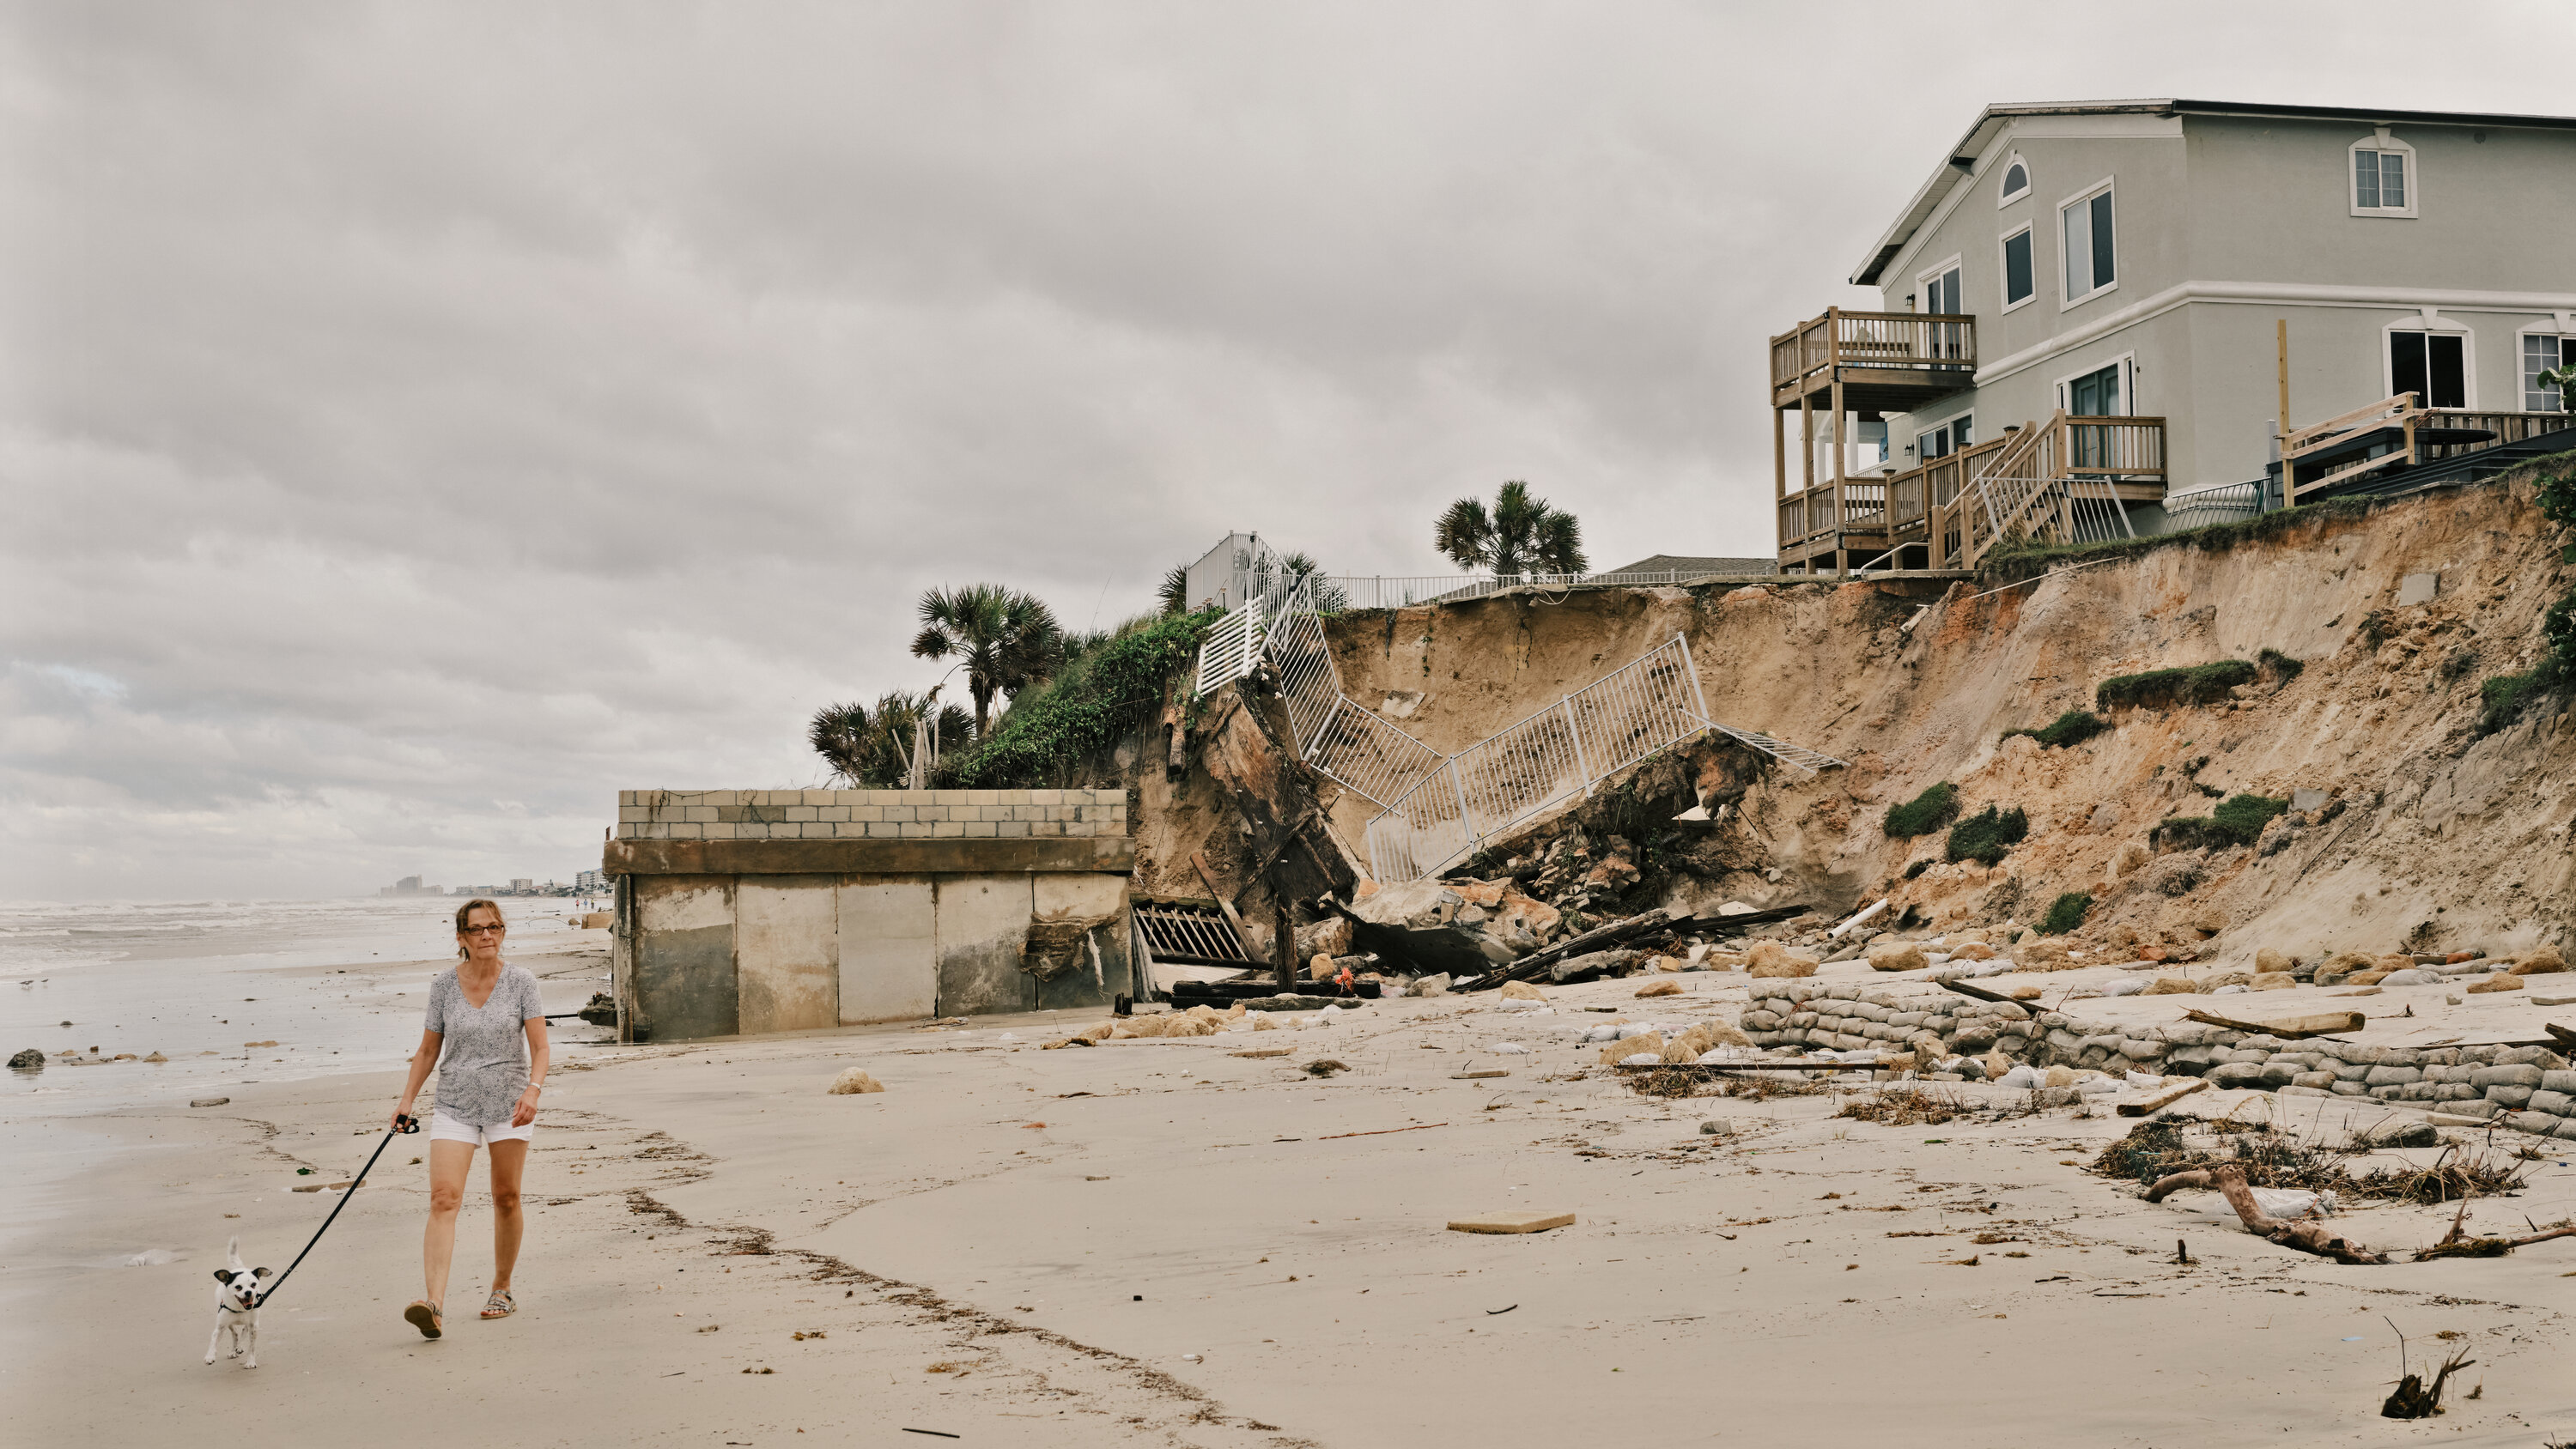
1807 443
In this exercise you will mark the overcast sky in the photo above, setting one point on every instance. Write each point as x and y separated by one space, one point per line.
420 421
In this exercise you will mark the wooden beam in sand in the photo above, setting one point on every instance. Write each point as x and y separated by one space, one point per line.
2162 1099
2323 1023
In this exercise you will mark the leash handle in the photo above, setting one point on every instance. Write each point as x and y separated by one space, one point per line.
403 1124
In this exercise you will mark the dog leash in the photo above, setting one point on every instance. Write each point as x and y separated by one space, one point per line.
401 1124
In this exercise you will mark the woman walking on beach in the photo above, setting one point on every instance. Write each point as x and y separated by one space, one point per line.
488 1084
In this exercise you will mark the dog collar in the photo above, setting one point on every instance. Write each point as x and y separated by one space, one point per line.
228 1308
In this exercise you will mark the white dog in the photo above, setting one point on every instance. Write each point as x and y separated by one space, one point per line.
237 1307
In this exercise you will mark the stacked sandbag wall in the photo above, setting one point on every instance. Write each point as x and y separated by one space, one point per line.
2528 1088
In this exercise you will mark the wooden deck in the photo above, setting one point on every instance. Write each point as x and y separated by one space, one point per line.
1847 365
2396 433
2068 479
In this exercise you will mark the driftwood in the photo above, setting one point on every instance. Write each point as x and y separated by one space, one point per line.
2321 1024
2029 1008
2162 1099
2457 1244
2314 1237
1538 961
2306 1236
2415 1399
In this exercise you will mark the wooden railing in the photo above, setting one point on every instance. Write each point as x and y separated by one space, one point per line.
2056 482
1892 341
2395 432
1905 507
2060 482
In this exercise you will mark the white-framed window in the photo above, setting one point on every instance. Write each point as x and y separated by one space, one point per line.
1944 438
2382 176
2545 352
2101 390
1940 288
2433 359
2016 181
2088 242
2018 265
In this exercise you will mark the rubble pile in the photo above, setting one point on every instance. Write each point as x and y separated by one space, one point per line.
2528 1088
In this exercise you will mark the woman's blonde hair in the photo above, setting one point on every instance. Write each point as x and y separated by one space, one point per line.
469 908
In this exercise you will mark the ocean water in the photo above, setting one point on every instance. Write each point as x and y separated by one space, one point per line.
336 985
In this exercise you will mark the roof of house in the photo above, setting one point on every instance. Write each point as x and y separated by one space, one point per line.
1963 156
1695 567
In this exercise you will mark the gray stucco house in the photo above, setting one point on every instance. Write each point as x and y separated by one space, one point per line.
2167 272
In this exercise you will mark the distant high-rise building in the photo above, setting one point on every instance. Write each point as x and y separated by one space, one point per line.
409 886
590 883
521 885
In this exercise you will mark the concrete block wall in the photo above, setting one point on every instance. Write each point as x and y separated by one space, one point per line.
701 956
2530 1089
869 814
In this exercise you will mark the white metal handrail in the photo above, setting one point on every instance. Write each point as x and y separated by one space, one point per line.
1649 704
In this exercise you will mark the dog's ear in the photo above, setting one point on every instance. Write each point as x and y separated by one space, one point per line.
259 1272
223 1275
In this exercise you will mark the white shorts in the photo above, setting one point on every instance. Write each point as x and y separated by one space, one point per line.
443 1128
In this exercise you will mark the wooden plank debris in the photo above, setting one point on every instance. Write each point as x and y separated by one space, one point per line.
2323 1023
1512 1223
2163 1098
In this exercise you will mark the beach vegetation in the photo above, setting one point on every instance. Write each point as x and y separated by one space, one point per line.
872 749
2071 728
1923 814
1522 533
1986 835
1110 684
2065 913
1005 639
2191 685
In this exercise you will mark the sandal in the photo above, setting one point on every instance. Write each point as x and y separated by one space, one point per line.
499 1305
425 1316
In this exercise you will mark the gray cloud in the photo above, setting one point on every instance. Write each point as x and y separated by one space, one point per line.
421 421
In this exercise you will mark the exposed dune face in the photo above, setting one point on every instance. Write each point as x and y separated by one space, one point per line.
2429 834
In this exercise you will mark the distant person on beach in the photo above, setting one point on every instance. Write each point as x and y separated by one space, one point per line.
490 1020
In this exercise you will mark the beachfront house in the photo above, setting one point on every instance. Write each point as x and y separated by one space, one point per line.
2104 317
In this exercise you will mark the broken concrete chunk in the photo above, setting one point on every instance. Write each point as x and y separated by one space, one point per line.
1898 956
1660 988
1521 991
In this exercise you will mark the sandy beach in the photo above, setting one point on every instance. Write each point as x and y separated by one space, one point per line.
1173 1242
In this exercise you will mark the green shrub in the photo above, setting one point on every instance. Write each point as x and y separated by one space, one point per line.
2071 728
1924 813
2503 697
1051 729
2196 684
2279 665
2244 816
2066 913
1985 835
2238 820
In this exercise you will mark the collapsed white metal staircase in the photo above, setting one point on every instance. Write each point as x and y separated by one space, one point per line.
1435 809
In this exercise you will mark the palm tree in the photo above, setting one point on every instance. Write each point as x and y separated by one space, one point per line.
1326 596
1173 594
875 748
1007 640
1522 535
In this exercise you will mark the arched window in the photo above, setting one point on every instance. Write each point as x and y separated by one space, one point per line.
2016 182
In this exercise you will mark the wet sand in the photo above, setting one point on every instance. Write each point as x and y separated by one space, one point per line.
1188 1250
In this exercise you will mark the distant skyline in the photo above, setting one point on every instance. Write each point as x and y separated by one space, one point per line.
421 421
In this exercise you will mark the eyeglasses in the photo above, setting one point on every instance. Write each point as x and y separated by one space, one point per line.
481 930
